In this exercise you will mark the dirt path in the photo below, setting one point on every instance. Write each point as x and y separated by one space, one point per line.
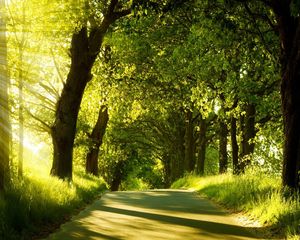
160 214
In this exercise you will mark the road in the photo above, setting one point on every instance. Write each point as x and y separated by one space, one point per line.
150 215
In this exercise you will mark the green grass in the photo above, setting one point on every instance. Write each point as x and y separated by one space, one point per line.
37 203
256 194
134 184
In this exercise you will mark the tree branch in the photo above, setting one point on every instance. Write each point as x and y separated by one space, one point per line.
120 14
41 105
257 27
46 126
57 68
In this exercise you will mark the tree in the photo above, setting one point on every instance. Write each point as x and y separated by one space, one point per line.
248 133
203 139
223 157
85 47
249 67
287 25
234 146
5 128
96 138
189 142
288 19
21 42
192 65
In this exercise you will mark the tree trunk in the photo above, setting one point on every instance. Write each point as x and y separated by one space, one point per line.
189 156
249 130
5 127
202 147
177 149
167 171
118 176
289 32
21 45
21 116
63 130
181 153
234 146
96 141
291 118
291 112
248 135
84 50
175 164
223 158
288 27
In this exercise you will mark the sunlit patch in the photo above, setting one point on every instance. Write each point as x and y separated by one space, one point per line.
29 143
34 148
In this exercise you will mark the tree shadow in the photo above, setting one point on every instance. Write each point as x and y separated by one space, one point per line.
206 226
139 212
161 200
121 215
205 229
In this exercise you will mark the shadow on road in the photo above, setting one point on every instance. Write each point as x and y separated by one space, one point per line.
153 215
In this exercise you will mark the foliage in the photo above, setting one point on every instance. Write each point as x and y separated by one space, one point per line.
193 58
133 183
212 164
257 194
169 58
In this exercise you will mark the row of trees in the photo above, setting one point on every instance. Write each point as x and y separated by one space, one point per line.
197 103
179 83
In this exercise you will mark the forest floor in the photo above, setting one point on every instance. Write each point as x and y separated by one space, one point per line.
157 214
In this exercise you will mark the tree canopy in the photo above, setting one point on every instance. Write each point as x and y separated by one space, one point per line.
151 90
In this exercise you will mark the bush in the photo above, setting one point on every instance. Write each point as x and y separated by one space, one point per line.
134 184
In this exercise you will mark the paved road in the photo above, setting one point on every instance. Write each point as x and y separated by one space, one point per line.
160 214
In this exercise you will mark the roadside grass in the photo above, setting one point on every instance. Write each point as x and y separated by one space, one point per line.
256 194
38 204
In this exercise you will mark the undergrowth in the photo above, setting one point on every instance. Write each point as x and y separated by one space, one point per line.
29 205
258 195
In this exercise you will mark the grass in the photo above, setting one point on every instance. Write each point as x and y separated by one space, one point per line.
36 204
258 195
